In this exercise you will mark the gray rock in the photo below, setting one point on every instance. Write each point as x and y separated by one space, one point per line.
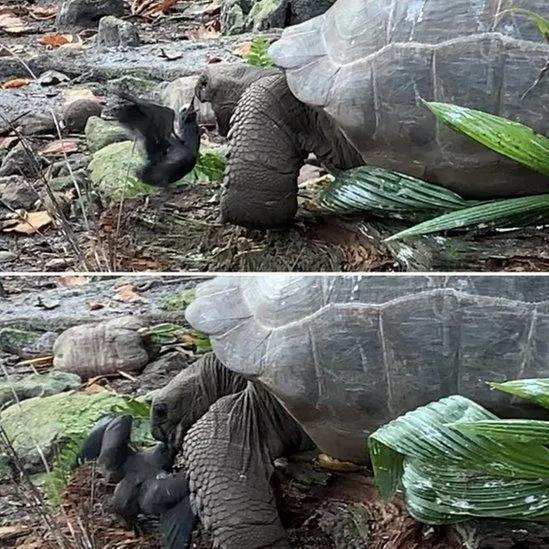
180 92
65 182
233 16
303 10
58 264
77 113
115 32
40 427
100 133
6 256
113 171
20 161
133 85
104 348
86 13
51 77
166 363
35 124
238 16
77 161
36 385
17 193
60 202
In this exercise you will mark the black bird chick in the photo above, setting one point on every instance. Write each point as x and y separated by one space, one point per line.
145 480
171 152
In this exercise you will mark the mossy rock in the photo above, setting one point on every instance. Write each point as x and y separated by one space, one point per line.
14 338
45 426
100 133
37 385
180 301
113 171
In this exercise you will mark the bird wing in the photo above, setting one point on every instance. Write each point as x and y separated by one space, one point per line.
115 448
91 447
153 123
177 524
167 496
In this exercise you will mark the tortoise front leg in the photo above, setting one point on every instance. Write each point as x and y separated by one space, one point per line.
265 156
229 467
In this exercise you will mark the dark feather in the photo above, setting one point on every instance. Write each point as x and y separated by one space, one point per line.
177 525
91 447
145 482
170 155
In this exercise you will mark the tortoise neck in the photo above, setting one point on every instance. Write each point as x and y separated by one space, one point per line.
269 422
219 381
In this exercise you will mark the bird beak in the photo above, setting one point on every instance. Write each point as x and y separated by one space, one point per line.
192 106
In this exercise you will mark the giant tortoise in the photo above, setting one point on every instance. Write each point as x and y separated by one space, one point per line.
326 360
351 90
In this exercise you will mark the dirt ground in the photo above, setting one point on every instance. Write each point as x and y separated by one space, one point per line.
342 513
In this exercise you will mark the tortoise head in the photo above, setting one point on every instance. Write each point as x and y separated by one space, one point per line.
187 397
177 406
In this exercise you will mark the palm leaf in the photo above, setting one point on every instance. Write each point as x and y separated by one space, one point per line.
386 193
450 472
511 212
511 139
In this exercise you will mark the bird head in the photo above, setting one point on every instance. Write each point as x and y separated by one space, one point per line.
187 114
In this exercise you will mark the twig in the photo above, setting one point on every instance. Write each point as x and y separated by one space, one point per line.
67 230
541 74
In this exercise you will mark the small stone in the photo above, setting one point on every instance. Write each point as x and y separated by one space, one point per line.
57 264
17 193
50 78
65 182
47 303
77 161
100 133
115 32
35 124
77 113
20 161
169 362
86 13
62 203
7 256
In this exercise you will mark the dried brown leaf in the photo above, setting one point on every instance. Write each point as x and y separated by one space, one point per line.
206 32
60 147
17 83
94 388
40 362
32 223
128 294
243 49
69 96
56 40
